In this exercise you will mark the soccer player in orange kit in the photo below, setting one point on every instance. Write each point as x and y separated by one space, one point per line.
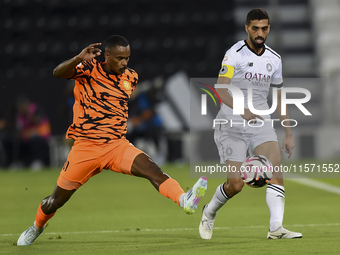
99 127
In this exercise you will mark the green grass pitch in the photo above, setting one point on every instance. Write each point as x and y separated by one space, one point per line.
120 214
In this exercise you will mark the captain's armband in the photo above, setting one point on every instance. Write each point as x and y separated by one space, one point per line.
226 71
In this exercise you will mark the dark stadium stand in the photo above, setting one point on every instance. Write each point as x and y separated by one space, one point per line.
166 37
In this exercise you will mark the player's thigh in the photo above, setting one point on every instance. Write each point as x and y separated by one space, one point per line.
232 149
270 150
82 162
123 155
264 142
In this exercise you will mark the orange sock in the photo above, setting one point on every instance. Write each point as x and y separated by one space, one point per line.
41 218
171 189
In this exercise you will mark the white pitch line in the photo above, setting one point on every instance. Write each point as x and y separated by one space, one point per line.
171 229
317 184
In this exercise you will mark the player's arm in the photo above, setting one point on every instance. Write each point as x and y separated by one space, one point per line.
67 68
227 99
288 142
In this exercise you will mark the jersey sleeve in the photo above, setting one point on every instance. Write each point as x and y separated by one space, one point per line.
277 80
229 63
83 69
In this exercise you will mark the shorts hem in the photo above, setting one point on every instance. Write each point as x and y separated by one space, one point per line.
68 185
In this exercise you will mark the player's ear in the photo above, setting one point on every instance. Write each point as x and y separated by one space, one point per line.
106 55
268 28
246 28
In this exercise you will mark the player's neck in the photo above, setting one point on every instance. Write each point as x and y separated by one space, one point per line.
107 69
251 45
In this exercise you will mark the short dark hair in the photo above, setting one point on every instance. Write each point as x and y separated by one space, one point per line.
116 40
256 14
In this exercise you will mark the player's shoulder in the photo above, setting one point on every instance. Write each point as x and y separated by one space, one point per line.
132 73
232 55
272 52
88 63
237 47
92 61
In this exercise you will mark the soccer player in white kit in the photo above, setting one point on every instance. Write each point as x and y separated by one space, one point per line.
250 64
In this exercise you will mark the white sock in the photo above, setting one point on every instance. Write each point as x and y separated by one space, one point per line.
276 202
217 201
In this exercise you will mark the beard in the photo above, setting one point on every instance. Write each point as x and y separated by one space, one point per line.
258 45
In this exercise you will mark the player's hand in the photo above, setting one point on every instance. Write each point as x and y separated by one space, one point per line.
249 116
288 145
90 52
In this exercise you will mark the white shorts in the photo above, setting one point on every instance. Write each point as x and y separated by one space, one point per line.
233 146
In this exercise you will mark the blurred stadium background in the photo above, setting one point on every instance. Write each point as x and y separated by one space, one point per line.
171 42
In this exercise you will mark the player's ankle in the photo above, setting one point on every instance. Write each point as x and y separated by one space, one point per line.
275 226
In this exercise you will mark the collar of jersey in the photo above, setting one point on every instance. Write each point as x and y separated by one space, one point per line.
107 72
264 48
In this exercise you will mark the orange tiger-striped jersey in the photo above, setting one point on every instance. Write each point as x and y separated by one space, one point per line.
100 110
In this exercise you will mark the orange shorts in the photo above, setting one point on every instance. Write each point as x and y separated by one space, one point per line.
88 158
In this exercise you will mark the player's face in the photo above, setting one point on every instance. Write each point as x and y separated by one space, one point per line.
116 59
257 32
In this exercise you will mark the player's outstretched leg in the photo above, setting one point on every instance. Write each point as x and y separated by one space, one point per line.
143 166
45 212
